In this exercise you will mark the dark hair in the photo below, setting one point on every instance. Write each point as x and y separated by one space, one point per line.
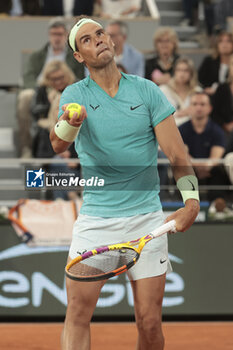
198 93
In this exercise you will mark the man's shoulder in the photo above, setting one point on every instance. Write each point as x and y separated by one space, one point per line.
140 81
185 127
214 127
79 85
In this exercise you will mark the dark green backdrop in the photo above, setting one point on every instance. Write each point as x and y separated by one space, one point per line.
32 281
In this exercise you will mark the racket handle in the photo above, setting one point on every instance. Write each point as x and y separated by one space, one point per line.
169 226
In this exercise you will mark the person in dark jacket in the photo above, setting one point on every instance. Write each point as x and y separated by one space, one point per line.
214 69
159 69
44 108
223 102
55 49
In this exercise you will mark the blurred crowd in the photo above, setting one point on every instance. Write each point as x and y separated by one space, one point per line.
104 8
202 96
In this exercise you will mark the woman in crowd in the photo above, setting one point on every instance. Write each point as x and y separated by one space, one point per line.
180 87
214 69
159 69
223 102
56 77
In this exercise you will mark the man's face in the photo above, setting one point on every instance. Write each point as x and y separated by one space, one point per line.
58 38
95 47
200 107
117 37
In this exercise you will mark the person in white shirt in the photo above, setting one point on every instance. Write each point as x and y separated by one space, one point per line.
180 87
119 8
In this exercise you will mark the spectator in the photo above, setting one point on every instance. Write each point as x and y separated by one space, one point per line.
52 7
119 8
159 69
5 7
214 69
16 8
190 8
204 139
180 88
31 7
223 9
56 77
125 54
223 102
83 7
56 48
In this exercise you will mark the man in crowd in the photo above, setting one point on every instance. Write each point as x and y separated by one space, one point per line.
55 49
125 54
204 139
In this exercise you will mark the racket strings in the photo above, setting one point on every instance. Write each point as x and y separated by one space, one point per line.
103 263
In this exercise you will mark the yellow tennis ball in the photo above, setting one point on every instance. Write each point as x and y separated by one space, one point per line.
72 108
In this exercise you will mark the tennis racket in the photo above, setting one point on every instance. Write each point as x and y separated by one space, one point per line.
109 261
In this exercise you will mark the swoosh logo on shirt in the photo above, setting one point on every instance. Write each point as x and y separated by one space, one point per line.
135 107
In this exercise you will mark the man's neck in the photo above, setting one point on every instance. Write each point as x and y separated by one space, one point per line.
107 78
199 124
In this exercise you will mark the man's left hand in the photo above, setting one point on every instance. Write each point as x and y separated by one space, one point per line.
186 216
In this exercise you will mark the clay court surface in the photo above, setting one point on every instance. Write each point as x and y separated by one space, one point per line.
119 336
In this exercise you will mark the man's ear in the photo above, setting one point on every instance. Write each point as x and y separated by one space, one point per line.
78 57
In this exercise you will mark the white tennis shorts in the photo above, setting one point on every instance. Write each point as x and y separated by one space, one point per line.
91 232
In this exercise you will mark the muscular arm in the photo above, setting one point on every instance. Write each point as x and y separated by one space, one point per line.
171 142
172 145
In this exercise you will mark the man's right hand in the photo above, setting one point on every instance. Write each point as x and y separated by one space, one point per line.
75 120
59 145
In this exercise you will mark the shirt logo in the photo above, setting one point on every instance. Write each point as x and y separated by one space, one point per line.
94 108
193 188
133 108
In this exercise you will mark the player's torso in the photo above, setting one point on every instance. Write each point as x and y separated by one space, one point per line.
118 129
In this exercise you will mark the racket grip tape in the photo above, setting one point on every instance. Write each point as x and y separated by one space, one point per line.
169 226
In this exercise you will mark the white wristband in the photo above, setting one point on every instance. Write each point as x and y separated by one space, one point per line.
65 131
188 186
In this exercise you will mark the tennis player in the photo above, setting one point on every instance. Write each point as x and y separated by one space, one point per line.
123 119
